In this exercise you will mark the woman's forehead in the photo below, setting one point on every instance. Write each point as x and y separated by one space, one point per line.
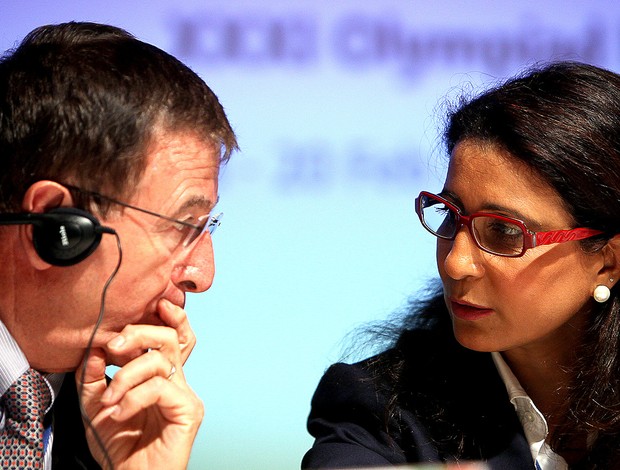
485 175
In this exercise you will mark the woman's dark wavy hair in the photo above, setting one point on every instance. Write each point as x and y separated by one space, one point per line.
563 121
79 103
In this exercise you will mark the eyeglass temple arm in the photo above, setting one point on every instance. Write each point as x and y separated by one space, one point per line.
560 236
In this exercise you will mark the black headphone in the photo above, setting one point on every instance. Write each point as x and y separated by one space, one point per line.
64 236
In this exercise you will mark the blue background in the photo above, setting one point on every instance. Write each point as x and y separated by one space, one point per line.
338 107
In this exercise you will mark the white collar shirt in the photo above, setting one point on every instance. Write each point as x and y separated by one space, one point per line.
532 420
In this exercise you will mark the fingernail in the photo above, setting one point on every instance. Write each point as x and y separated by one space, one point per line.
116 410
107 395
117 342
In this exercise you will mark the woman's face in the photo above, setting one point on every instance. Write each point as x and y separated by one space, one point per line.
539 300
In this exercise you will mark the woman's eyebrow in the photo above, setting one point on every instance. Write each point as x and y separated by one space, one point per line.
513 213
453 198
487 206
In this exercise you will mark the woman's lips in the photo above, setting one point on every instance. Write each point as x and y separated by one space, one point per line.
467 311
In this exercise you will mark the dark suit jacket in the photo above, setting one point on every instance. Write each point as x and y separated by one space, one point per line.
426 400
70 451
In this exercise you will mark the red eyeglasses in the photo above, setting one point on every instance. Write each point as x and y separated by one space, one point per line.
495 234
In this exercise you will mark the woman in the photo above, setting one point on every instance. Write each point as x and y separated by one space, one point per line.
515 359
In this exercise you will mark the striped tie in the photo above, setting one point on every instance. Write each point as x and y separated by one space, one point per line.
24 404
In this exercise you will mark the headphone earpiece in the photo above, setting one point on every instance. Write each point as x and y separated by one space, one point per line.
64 236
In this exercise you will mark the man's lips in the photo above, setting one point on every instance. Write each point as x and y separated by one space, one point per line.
468 311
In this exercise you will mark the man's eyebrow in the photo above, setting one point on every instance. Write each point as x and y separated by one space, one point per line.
194 202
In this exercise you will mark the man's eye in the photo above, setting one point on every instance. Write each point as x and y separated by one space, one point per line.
184 226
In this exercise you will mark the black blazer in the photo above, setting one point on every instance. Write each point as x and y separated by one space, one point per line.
70 451
426 400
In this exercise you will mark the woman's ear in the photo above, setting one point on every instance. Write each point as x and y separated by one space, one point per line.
41 197
610 272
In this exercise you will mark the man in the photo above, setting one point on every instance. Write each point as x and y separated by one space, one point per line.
109 157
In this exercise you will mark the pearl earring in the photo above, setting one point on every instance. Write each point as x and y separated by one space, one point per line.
601 293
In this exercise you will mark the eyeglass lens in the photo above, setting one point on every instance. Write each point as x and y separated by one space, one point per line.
494 235
209 223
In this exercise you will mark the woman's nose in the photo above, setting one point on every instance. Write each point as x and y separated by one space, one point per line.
461 256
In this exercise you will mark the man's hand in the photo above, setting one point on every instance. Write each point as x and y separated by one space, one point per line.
147 416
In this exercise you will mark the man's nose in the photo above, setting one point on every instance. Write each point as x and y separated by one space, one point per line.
195 270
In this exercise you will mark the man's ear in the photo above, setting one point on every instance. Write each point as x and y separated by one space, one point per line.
45 195
41 197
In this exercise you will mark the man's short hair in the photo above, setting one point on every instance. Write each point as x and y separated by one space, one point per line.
79 103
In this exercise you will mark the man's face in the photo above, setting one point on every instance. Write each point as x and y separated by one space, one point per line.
180 181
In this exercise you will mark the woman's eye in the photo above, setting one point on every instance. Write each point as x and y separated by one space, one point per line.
505 229
498 235
441 210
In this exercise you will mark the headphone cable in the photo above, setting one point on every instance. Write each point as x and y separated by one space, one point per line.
85 417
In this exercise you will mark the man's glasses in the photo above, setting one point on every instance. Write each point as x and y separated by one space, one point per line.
206 222
495 234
